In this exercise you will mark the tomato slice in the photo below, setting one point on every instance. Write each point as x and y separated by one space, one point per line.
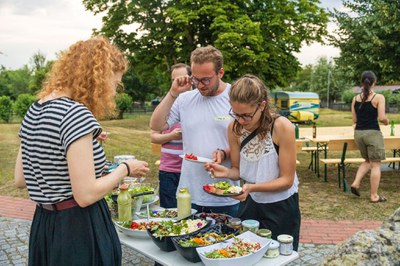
134 225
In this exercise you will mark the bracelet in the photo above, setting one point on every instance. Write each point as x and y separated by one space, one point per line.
172 95
224 152
127 168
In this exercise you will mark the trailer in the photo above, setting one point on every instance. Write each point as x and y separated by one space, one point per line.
297 106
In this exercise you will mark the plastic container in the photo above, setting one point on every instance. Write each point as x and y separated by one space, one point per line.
286 244
264 233
184 203
250 225
235 223
273 250
124 205
122 158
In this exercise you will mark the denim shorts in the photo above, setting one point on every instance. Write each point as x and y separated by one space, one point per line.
371 144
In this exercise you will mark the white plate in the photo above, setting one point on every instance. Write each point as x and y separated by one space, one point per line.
250 259
136 233
199 159
142 214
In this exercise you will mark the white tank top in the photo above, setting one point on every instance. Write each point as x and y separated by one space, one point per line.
258 164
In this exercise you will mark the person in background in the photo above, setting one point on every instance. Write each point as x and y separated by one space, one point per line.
267 163
61 162
203 114
367 108
171 148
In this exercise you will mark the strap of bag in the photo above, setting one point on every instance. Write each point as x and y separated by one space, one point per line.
248 138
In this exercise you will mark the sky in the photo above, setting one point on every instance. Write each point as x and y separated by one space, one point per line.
49 26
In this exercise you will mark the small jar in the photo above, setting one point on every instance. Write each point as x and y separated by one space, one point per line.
273 250
235 223
286 244
250 225
264 233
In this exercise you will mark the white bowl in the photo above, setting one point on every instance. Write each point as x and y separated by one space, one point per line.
135 232
250 259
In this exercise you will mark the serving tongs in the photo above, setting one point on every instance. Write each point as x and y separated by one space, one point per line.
142 194
115 197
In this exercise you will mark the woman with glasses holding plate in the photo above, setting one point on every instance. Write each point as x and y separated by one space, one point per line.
266 161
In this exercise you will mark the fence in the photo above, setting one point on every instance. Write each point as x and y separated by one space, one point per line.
391 108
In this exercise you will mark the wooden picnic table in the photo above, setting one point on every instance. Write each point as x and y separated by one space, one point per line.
391 143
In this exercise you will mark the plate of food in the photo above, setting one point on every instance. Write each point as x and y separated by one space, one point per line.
196 159
223 189
137 228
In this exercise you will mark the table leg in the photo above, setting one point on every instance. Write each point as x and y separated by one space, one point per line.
317 159
325 165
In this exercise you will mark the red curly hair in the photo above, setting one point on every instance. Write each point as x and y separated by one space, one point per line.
86 71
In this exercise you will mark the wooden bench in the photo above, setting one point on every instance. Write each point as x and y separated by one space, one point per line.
349 144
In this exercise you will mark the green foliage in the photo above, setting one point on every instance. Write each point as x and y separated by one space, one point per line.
24 79
21 105
123 102
14 82
368 35
37 79
348 96
6 108
256 37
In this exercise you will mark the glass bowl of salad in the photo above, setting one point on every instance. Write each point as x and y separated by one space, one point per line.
138 188
245 249
186 245
162 233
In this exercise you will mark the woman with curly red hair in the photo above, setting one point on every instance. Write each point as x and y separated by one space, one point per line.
60 161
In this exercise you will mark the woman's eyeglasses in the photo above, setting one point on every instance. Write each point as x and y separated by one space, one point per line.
245 117
204 81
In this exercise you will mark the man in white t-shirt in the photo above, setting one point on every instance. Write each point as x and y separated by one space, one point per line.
204 117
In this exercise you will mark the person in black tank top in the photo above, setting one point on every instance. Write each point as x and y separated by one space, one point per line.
367 108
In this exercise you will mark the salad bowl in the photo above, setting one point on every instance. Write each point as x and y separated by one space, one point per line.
186 245
250 259
162 234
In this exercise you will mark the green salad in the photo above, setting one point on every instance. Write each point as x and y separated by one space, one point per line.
171 228
141 189
222 185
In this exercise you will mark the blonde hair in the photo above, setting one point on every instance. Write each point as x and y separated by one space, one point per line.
249 89
207 54
85 71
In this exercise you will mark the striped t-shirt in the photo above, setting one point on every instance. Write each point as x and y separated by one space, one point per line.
46 132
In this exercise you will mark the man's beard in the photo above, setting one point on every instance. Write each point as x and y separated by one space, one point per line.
214 89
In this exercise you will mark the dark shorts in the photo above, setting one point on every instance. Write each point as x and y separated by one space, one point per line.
371 144
168 185
282 217
75 236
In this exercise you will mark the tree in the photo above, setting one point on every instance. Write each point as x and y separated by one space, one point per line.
123 102
302 82
21 105
6 108
368 37
256 37
14 82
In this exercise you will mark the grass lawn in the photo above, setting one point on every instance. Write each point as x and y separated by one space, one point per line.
318 199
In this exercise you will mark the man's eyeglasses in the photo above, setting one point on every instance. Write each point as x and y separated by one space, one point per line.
245 117
204 81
